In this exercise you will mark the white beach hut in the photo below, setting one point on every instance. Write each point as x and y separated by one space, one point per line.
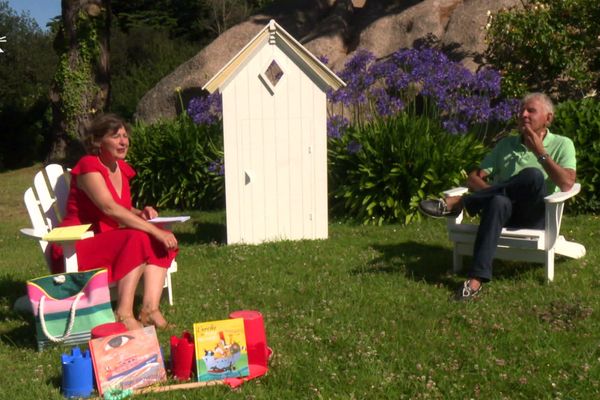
275 139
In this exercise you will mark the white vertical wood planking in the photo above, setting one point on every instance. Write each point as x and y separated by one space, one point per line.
275 145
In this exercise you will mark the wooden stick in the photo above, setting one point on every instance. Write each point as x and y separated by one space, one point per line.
181 386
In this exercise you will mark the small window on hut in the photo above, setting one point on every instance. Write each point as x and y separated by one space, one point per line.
274 73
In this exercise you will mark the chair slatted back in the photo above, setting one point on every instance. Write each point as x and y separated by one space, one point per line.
46 201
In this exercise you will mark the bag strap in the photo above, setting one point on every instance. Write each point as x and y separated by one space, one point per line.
67 333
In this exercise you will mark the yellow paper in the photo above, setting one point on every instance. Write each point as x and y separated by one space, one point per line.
74 232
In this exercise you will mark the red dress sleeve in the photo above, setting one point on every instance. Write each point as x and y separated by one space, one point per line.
88 164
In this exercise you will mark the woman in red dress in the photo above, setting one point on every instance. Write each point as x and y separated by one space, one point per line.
124 242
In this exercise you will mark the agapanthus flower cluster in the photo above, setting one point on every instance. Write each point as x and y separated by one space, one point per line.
217 167
462 99
206 110
379 88
337 125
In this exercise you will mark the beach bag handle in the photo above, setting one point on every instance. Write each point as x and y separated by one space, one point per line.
70 324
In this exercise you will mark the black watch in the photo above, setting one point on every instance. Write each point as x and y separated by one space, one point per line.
542 158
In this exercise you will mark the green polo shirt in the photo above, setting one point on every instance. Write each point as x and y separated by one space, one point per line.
510 156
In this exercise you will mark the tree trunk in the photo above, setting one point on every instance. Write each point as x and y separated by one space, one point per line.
81 86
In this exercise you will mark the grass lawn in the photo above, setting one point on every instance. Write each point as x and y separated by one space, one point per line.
364 314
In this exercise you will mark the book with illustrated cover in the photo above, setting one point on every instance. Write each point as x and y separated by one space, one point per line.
221 349
128 360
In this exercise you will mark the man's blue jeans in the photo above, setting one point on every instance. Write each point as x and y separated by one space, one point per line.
516 203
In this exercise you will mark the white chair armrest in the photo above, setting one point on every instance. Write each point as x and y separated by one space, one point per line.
32 233
560 197
457 191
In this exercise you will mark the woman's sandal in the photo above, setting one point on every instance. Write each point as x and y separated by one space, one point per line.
148 318
129 321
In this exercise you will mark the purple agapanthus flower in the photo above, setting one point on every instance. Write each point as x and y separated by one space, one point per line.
353 147
206 110
383 87
217 167
336 126
323 59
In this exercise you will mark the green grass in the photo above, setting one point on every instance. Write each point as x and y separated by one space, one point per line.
364 314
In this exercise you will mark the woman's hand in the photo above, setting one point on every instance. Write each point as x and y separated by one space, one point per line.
148 213
167 239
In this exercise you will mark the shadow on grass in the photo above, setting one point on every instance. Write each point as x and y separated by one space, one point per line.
417 261
504 269
204 232
24 334
433 264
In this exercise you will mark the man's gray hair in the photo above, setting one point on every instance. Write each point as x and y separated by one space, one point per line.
546 101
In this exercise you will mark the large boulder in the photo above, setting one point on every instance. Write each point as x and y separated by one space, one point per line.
336 29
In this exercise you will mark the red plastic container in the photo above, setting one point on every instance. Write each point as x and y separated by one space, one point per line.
108 329
182 356
256 341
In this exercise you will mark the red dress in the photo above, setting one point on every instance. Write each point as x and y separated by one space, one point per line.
118 249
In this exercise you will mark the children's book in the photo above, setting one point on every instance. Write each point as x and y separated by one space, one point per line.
221 349
128 360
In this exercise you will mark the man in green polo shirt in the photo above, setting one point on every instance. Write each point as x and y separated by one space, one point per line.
510 185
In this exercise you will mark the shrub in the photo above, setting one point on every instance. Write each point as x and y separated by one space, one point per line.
580 120
178 164
380 171
547 45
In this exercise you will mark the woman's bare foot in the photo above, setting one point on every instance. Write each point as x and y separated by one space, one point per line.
129 321
154 317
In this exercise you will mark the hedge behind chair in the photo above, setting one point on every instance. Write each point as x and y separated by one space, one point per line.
177 164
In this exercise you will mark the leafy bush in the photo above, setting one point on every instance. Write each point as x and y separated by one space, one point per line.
380 171
580 120
547 45
178 164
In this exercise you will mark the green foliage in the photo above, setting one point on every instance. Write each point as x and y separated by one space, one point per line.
549 46
139 60
175 162
580 120
379 172
26 69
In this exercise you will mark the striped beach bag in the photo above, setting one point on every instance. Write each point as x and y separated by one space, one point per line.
67 306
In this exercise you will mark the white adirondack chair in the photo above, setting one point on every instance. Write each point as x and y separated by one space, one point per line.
530 245
46 203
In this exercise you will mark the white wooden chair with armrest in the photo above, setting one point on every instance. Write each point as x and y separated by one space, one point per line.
46 203
530 245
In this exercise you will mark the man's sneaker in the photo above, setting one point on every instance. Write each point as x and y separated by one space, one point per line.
465 292
438 208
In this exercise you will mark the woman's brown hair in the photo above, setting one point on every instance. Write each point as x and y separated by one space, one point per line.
102 125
